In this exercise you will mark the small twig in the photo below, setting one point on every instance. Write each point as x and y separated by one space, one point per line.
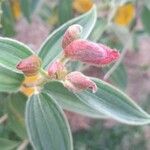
3 118
23 145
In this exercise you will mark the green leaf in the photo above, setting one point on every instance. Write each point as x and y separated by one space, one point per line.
34 4
16 107
25 7
3 104
145 17
46 124
6 144
11 52
119 76
52 46
10 81
7 20
100 27
69 101
114 103
28 7
147 4
64 10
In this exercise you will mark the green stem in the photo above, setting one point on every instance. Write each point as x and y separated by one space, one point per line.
114 67
63 59
44 73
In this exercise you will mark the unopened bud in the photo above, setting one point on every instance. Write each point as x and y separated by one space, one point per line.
71 34
90 52
76 82
57 70
30 66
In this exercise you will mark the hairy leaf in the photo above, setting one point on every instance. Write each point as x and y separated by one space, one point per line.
16 107
46 124
70 101
10 81
65 10
11 52
114 103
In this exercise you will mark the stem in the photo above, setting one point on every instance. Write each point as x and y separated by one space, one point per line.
44 73
114 67
64 59
23 145
3 118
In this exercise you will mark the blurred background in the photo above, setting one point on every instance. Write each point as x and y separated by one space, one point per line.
121 24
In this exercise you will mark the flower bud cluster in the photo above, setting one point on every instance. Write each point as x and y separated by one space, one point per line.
57 70
77 49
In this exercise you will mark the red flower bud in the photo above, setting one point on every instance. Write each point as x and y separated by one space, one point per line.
71 34
57 70
76 82
30 66
92 53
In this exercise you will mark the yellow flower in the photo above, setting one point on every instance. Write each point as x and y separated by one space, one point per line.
29 80
124 14
82 6
16 10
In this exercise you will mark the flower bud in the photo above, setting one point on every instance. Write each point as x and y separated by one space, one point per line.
92 53
57 70
71 34
30 66
76 82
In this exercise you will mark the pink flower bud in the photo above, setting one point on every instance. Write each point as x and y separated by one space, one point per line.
57 70
71 34
30 66
92 53
76 82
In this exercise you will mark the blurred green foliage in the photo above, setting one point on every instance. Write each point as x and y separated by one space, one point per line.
117 137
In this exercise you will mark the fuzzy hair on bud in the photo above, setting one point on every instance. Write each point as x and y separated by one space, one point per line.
57 70
71 34
30 66
76 82
91 53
